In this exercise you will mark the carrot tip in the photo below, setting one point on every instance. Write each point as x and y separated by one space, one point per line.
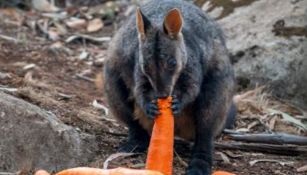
222 173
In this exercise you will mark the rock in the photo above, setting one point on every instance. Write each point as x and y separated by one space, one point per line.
34 138
268 45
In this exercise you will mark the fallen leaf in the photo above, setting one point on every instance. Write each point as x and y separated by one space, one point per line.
99 62
58 47
287 127
61 28
302 169
76 23
53 35
289 118
29 66
28 80
94 25
107 10
13 14
43 26
84 55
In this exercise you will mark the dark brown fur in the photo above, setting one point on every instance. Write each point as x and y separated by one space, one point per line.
139 70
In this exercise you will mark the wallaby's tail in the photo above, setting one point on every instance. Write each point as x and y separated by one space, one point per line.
231 117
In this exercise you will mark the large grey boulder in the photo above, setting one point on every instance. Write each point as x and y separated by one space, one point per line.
267 41
34 138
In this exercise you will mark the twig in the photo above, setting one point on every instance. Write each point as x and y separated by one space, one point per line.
7 173
181 161
85 78
102 107
8 38
282 163
115 156
57 16
108 119
265 148
88 37
280 138
229 131
224 157
8 89
65 96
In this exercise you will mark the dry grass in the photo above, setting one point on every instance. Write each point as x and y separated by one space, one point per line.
259 112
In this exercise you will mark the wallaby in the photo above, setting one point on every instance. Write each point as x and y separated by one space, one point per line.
171 48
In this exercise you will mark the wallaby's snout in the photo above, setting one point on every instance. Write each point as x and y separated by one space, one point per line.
162 95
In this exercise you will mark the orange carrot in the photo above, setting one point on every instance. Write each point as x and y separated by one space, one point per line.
222 173
116 171
160 152
97 171
41 172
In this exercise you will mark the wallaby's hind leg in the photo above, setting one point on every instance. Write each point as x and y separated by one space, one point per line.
201 161
210 112
122 109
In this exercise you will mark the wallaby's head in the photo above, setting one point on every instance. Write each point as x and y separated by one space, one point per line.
162 53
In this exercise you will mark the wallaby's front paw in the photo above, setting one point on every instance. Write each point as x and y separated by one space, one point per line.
176 105
152 109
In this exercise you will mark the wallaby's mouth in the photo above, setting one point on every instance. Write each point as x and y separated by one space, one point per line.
163 95
164 92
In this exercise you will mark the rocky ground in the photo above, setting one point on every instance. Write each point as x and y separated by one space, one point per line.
53 114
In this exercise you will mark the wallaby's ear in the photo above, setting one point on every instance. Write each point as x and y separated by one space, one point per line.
141 22
173 22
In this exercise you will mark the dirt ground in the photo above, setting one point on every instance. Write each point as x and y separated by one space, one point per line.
67 86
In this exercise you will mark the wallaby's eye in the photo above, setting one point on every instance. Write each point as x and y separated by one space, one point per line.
171 63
